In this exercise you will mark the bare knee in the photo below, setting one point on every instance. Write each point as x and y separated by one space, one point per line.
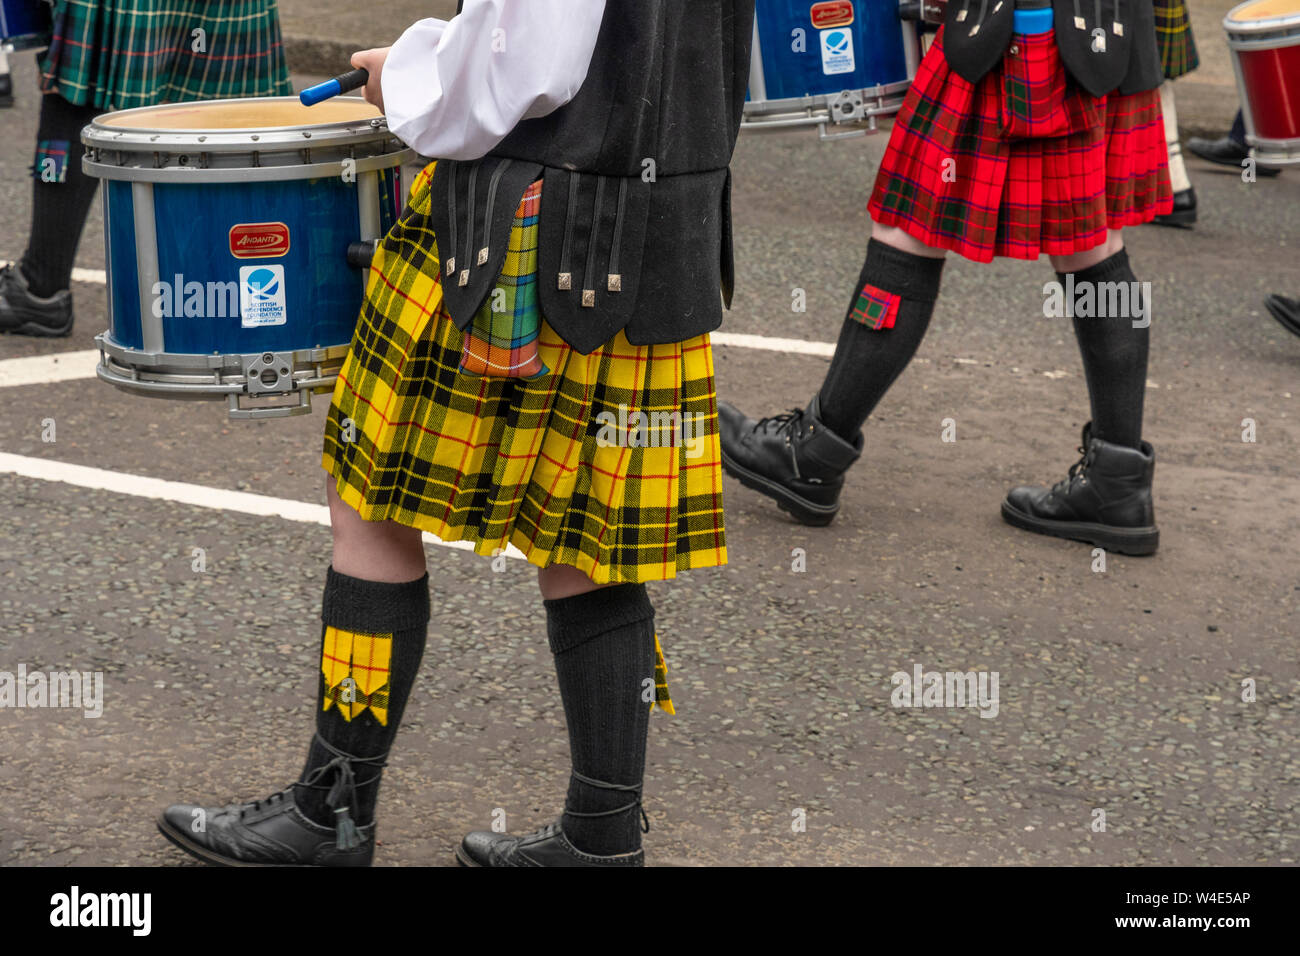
1090 257
562 581
373 550
898 239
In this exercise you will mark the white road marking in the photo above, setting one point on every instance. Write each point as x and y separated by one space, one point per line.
78 274
772 344
44 369
218 499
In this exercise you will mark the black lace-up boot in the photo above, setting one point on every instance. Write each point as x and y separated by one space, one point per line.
793 458
1105 500
274 831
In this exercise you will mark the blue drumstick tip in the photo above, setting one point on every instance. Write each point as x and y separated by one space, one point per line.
321 92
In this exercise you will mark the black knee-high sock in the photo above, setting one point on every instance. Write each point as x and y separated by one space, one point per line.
867 361
1114 355
59 209
354 612
603 642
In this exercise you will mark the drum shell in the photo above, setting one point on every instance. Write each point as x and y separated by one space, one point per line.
24 24
192 226
1266 59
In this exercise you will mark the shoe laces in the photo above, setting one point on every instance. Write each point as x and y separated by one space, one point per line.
257 805
786 421
1078 471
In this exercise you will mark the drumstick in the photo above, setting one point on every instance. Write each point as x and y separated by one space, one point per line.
353 80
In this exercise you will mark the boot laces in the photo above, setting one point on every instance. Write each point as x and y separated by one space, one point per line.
1078 472
786 421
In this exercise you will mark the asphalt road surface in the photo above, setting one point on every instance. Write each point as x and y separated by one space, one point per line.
1120 691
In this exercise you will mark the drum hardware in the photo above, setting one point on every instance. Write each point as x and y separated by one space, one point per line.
360 254
221 229
854 65
928 12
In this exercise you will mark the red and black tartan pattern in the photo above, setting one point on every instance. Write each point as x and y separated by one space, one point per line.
953 179
1033 90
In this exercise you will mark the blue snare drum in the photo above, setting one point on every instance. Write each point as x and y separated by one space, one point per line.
232 233
837 63
24 24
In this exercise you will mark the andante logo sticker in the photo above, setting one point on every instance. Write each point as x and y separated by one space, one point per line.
259 240
832 13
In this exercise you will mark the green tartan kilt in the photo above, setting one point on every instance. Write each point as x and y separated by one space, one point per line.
120 54
1174 38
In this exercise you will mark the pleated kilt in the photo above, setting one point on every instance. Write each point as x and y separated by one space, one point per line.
119 54
1174 38
553 465
1022 163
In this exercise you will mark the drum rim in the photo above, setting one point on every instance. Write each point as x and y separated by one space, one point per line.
1264 25
255 137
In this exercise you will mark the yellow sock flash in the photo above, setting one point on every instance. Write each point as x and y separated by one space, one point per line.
355 667
662 699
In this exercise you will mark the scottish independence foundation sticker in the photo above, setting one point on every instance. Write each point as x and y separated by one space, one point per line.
261 296
837 52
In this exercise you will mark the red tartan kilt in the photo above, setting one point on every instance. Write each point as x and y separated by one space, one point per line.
1022 163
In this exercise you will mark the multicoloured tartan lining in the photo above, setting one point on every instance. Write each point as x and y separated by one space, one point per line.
876 308
115 56
1174 39
501 341
951 179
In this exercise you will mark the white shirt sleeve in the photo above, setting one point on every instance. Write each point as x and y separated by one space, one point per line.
454 90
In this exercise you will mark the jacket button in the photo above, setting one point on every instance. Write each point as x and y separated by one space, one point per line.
1013 49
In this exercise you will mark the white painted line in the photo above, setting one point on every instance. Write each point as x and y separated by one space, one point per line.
90 275
218 499
43 369
78 274
772 344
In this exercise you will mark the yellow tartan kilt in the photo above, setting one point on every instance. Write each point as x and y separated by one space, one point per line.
556 465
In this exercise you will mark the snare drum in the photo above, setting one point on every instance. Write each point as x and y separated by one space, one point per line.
25 24
228 227
837 63
1264 40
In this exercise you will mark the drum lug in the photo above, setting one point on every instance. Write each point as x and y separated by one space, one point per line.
270 373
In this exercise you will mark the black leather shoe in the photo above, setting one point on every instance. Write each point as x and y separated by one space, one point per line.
1286 311
6 91
23 313
545 847
270 832
1184 211
1105 500
793 458
1225 151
